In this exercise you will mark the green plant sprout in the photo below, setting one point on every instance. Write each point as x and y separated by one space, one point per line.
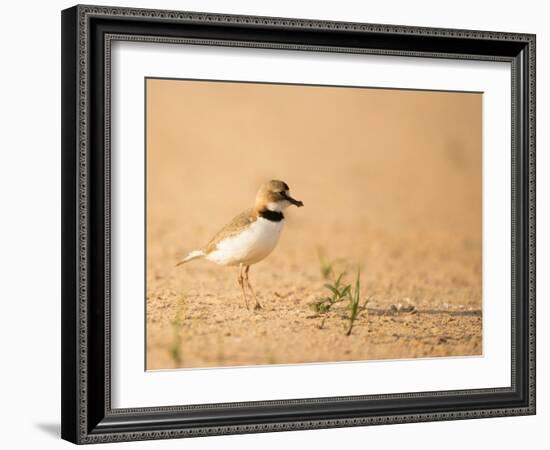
338 291
176 347
326 266
175 350
356 308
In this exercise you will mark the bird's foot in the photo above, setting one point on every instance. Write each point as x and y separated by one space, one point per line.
257 306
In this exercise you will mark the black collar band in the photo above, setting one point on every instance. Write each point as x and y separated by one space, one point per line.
273 216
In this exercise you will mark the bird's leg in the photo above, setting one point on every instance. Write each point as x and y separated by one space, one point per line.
241 284
257 305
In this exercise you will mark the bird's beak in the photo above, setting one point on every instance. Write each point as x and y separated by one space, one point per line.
295 202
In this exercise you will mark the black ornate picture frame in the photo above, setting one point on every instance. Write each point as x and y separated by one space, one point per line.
87 34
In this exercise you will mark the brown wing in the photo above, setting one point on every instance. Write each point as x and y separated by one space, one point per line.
237 224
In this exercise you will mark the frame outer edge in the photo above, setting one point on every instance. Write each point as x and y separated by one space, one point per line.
532 223
298 23
69 289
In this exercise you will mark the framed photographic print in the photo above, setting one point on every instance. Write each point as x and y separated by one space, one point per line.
277 224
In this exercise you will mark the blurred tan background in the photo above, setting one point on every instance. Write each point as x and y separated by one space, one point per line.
390 179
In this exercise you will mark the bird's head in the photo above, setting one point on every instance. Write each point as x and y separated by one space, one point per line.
274 196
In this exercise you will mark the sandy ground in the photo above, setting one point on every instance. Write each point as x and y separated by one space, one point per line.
391 182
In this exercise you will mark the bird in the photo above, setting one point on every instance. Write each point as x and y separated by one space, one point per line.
251 236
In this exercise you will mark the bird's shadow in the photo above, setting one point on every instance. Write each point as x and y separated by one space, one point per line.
53 429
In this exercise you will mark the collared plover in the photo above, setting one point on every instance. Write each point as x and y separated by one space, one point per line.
251 236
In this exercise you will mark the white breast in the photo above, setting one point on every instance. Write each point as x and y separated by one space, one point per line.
250 246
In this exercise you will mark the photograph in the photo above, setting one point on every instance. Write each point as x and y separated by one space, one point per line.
295 224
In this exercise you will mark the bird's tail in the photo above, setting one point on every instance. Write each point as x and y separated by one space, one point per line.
191 256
